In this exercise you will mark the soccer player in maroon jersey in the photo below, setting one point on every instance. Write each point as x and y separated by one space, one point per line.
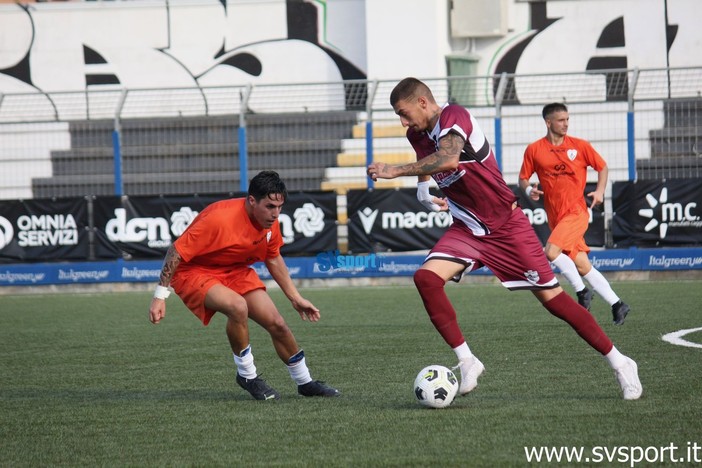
489 229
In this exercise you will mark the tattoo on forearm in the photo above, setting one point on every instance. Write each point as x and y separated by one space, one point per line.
428 165
450 148
170 263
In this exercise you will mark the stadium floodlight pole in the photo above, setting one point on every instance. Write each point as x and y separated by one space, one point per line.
117 145
499 97
369 130
630 134
243 145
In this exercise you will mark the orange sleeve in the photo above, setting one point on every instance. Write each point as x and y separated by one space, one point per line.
223 235
527 169
207 233
200 237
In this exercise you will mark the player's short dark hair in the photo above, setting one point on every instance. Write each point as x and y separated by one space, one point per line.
408 88
553 107
267 183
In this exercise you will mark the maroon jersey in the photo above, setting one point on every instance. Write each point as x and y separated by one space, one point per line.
477 194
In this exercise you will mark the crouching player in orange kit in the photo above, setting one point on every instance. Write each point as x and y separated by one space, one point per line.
209 268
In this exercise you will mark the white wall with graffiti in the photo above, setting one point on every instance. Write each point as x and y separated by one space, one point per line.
69 60
153 44
70 46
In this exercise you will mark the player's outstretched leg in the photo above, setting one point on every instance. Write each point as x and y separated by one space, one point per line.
625 369
443 317
438 307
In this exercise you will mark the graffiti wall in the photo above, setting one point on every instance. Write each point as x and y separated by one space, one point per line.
578 36
600 34
72 46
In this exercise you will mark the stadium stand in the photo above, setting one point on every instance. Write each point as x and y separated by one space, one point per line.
676 148
389 146
312 151
195 154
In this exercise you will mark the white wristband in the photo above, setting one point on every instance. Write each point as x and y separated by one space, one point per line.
528 190
426 198
162 292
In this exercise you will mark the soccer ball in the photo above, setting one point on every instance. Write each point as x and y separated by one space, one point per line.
435 386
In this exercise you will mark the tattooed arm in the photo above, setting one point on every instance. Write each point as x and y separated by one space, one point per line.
170 263
157 310
444 159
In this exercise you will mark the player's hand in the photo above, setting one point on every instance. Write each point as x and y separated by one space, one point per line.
442 203
597 198
157 310
535 193
306 309
379 170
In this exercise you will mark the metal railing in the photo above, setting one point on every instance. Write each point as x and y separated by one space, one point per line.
107 140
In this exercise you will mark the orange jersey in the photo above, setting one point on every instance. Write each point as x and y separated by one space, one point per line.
223 237
562 172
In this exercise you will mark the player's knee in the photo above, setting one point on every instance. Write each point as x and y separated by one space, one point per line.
278 327
582 263
552 251
235 308
426 280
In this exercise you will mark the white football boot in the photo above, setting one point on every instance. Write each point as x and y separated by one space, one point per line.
471 369
628 378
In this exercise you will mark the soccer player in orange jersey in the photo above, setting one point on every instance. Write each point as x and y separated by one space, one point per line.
209 268
560 162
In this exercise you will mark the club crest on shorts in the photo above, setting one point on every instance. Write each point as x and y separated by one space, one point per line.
532 276
572 154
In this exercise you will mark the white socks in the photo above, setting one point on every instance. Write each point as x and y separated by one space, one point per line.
615 358
570 271
245 363
598 282
298 368
462 351
601 286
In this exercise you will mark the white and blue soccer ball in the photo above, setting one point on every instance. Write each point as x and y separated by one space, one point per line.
435 386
